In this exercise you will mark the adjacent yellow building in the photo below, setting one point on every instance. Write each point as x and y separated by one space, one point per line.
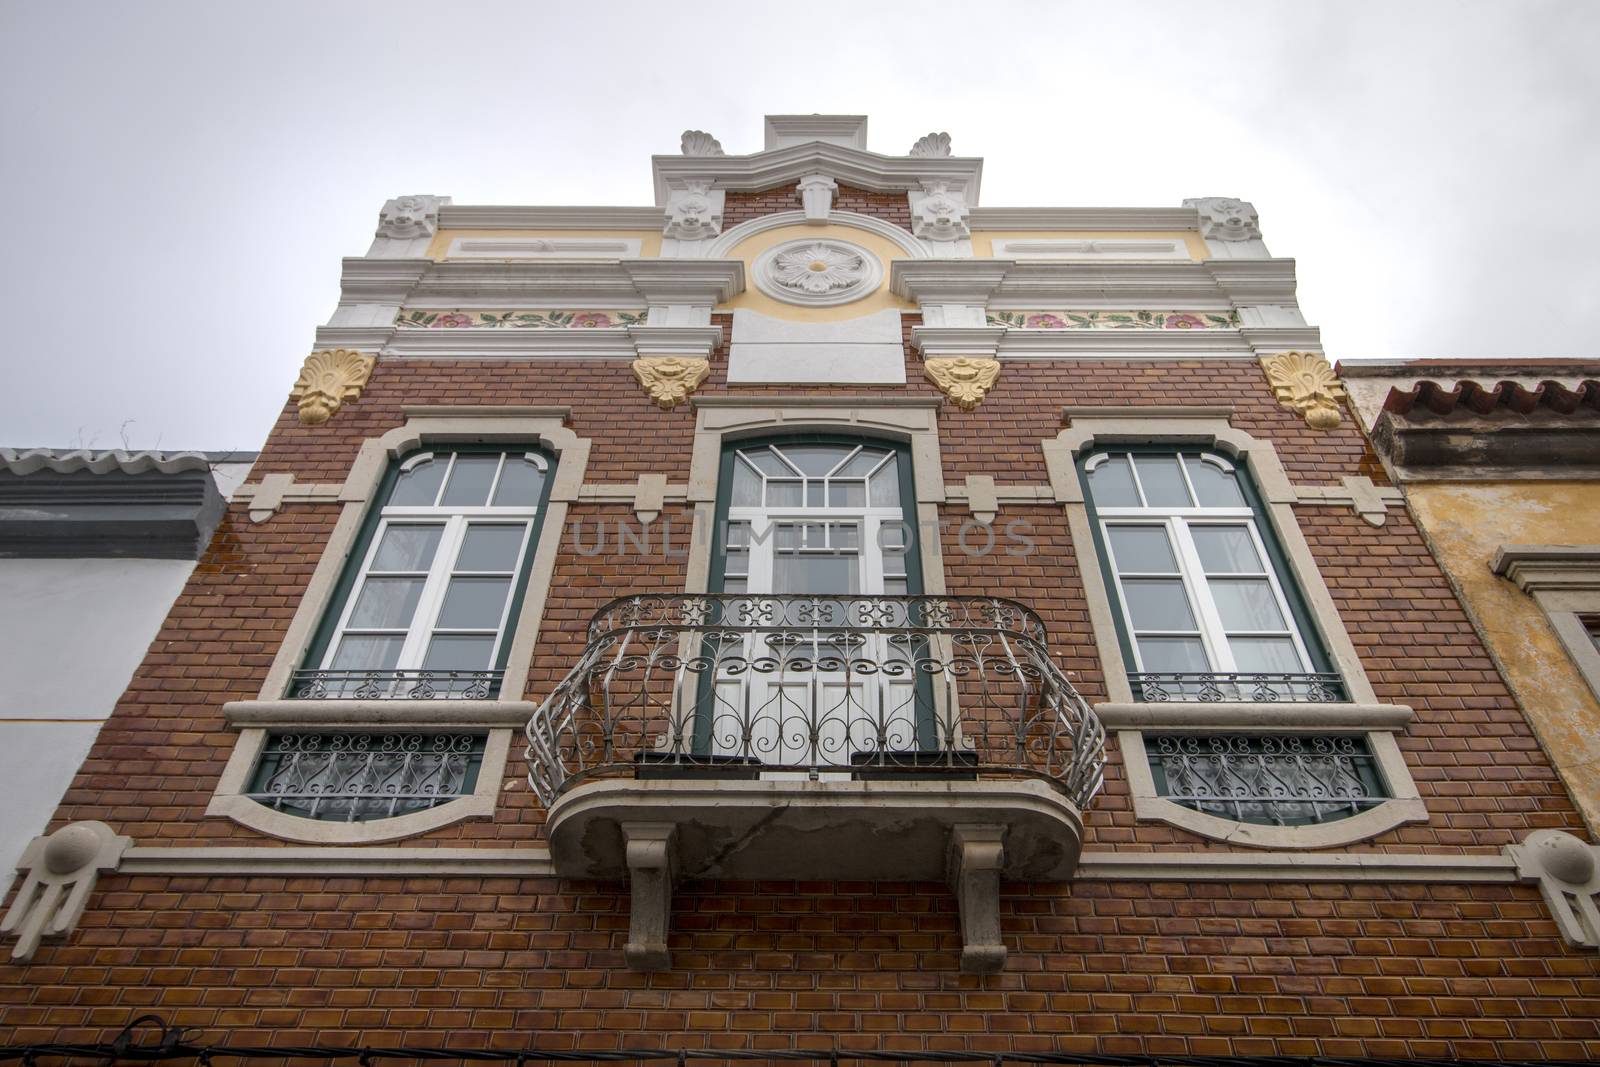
1500 464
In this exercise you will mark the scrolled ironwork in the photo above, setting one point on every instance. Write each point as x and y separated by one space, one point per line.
1271 779
355 776
394 685
1250 688
836 684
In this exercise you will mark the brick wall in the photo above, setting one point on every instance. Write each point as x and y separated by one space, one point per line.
742 207
1340 969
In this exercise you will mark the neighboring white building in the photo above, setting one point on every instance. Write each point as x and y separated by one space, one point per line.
94 548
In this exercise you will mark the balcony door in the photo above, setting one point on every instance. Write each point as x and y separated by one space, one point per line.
815 663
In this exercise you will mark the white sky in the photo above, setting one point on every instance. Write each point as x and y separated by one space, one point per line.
183 178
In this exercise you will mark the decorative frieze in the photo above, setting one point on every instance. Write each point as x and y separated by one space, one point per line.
1304 381
1115 320
694 211
61 871
327 380
456 319
966 381
670 379
931 146
406 217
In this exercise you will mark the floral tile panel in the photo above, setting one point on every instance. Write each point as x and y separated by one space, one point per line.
1115 320
456 319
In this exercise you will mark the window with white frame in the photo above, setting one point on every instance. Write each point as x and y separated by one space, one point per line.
1203 604
425 607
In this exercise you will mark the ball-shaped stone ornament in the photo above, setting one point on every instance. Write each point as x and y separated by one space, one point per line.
1565 857
71 848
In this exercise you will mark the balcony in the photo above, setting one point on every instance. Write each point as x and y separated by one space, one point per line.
328 684
788 737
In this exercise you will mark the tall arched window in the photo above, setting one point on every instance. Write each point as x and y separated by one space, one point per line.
1205 609
425 606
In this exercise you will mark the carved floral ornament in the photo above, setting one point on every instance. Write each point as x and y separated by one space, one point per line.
1304 381
965 380
817 272
670 379
327 380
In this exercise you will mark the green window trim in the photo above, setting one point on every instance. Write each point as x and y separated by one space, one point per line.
350 571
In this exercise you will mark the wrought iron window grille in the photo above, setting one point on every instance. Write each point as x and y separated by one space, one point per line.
1255 688
355 777
1268 779
317 684
837 684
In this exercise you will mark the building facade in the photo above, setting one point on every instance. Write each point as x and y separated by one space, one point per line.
818 612
1499 462
94 548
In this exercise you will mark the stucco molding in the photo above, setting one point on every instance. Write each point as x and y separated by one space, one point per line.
1568 872
847 164
1404 806
266 497
668 380
1371 867
966 381
62 869
361 714
1304 382
327 380
335 860
735 235
229 801
1564 580
647 496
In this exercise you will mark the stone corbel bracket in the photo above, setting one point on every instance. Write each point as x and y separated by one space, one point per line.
965 380
327 379
652 871
984 499
62 870
669 380
1357 492
275 490
1568 873
816 196
976 856
647 496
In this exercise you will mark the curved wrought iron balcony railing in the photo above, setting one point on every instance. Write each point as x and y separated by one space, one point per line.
862 685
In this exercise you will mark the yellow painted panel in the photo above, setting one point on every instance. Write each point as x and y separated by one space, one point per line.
649 240
983 240
754 299
1466 523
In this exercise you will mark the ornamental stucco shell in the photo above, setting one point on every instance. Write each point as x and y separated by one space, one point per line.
327 380
817 272
965 380
1304 381
670 379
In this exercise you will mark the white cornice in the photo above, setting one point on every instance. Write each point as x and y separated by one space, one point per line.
379 281
852 166
686 281
1043 284
1255 281
1084 218
947 281
360 338
1542 568
1282 338
508 217
1212 866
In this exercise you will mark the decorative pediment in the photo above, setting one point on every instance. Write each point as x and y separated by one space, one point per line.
327 380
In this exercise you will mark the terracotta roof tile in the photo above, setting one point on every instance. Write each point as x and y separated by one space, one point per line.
1435 398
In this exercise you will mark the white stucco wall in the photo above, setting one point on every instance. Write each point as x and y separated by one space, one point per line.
72 631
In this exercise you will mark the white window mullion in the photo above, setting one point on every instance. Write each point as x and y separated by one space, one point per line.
433 591
1205 608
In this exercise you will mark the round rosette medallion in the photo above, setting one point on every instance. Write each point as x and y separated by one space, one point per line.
817 272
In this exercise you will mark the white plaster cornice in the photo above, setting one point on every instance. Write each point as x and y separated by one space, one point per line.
1549 568
850 166
686 281
612 343
1084 218
502 217
947 281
